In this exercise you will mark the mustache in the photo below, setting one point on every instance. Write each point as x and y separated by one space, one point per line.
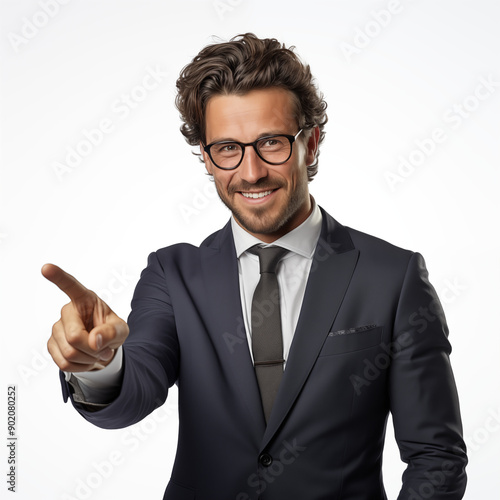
261 184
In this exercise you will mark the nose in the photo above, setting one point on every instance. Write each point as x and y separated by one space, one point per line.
252 168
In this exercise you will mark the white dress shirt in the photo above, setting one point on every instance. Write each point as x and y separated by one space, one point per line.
293 271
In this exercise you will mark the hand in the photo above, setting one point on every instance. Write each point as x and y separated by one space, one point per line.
86 336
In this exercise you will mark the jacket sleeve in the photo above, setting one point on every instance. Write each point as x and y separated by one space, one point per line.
150 356
423 396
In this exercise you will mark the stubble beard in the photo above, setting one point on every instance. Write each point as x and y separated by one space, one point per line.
259 221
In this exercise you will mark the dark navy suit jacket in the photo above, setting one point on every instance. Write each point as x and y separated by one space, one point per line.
371 339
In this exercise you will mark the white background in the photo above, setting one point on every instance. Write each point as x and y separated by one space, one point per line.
140 189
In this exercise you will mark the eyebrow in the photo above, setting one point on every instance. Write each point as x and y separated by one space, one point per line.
260 136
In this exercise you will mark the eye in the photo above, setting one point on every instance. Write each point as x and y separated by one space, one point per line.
273 143
226 148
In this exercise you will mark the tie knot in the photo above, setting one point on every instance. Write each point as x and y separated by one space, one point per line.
269 257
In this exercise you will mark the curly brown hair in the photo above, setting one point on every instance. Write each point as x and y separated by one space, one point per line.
243 64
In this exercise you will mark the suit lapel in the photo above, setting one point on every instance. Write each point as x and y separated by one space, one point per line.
333 264
226 325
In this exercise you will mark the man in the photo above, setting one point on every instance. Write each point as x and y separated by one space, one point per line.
287 361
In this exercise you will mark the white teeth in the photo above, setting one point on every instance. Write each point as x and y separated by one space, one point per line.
256 195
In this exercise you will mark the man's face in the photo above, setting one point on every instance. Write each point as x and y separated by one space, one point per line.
284 201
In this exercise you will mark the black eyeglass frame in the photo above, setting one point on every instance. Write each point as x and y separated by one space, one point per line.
243 145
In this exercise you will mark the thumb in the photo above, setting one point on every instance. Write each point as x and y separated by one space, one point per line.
109 335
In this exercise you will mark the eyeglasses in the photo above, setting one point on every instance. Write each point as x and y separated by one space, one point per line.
273 149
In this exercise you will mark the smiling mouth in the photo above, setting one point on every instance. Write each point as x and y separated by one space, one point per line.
261 194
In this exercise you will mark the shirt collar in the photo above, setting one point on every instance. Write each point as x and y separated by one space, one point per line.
301 240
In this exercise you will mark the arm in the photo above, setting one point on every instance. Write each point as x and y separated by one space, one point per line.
150 356
424 400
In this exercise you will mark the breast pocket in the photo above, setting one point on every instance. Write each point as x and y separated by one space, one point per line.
352 339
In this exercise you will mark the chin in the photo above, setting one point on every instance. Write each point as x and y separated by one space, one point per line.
263 224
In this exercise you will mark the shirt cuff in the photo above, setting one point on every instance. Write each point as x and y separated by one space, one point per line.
100 386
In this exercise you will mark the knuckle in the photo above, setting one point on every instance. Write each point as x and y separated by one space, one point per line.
69 353
49 345
65 308
73 336
65 365
112 332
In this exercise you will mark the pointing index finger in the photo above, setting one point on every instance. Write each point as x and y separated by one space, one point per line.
67 283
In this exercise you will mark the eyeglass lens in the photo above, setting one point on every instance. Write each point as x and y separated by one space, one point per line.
275 149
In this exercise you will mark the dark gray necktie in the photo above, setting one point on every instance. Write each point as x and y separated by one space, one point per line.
267 341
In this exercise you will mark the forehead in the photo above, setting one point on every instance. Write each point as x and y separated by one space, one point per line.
245 117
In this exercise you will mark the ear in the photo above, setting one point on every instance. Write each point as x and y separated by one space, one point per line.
312 146
206 159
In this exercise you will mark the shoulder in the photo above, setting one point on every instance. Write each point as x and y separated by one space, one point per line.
384 260
375 245
187 252
345 238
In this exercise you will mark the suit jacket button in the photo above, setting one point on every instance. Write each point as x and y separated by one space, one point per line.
265 459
